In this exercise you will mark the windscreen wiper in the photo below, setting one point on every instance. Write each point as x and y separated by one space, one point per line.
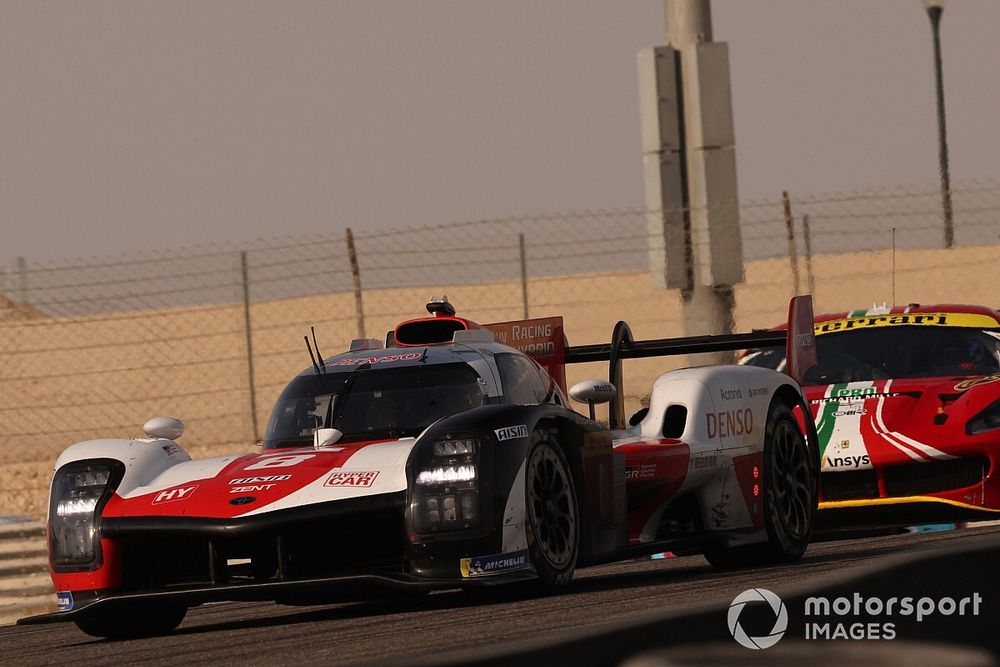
341 396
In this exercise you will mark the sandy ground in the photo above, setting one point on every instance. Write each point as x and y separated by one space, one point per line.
69 379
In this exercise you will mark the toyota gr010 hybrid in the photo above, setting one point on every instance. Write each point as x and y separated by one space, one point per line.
907 406
442 459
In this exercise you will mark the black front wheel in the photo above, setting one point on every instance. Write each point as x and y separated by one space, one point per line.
553 514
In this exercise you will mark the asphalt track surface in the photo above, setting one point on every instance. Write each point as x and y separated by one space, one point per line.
387 632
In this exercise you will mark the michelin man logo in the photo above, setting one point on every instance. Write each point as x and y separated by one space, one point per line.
780 618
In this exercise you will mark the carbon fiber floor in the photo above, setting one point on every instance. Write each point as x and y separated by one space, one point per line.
266 634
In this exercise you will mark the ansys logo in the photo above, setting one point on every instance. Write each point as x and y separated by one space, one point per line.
780 618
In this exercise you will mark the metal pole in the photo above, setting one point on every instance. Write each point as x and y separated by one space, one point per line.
688 22
524 274
793 255
359 307
249 337
934 11
22 272
807 239
893 266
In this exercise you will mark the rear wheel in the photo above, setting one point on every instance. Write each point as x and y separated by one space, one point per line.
552 513
789 497
132 622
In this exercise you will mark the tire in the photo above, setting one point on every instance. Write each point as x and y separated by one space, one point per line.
553 513
789 497
132 622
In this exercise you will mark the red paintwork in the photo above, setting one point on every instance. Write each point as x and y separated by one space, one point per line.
104 577
211 500
910 410
548 349
655 470
211 497
800 348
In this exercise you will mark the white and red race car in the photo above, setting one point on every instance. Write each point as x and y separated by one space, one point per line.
441 459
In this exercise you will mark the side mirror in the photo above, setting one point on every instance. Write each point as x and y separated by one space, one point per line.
166 428
323 437
593 392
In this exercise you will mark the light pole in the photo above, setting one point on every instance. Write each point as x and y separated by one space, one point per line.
934 10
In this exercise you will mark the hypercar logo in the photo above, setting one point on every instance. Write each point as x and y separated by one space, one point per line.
351 479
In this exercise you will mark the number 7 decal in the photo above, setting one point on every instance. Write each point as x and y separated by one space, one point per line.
283 461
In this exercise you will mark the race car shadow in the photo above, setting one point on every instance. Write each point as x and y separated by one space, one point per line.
341 611
689 572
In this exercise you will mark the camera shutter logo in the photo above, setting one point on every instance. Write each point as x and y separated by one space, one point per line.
780 618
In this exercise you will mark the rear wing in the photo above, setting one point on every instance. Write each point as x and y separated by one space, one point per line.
544 340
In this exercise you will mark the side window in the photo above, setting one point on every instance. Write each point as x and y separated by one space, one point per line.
522 383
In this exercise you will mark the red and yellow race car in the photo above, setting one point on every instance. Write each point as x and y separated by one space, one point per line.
907 408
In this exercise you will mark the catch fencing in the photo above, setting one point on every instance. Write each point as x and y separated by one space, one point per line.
211 334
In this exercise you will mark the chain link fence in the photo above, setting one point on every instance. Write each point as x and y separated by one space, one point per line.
212 334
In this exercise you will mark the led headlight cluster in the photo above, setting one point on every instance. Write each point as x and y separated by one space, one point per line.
77 494
987 420
447 486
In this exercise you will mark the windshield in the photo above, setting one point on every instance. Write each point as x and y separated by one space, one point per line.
372 403
897 352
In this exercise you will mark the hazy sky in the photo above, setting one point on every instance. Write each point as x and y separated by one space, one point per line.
130 125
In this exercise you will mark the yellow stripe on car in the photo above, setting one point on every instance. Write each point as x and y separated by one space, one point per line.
968 320
868 502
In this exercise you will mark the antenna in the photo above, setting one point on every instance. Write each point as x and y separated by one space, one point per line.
312 356
315 344
893 266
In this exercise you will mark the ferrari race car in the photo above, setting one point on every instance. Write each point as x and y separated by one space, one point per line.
907 405
445 458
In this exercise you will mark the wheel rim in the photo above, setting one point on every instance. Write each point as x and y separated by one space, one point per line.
551 506
791 479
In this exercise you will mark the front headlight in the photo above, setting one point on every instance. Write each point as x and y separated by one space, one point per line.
987 420
79 491
446 494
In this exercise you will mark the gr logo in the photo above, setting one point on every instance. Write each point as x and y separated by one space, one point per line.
780 618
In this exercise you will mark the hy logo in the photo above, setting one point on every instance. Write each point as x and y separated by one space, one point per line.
780 618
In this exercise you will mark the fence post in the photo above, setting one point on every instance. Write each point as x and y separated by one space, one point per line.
524 274
249 337
359 307
22 271
893 267
793 255
807 239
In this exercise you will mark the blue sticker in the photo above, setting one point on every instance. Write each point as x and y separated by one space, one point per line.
485 565
64 600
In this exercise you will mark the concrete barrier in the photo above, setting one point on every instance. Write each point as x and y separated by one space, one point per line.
25 586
